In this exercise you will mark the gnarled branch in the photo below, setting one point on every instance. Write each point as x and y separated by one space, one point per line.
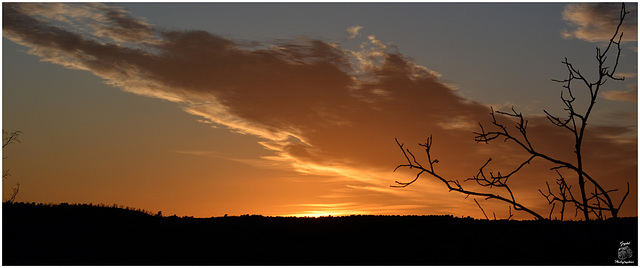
455 185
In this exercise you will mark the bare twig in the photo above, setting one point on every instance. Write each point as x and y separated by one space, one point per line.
485 214
14 194
8 138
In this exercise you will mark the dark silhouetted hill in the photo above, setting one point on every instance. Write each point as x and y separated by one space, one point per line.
36 234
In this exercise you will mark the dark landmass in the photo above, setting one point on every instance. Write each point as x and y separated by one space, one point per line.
37 234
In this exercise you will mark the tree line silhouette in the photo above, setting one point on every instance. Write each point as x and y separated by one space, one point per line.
83 234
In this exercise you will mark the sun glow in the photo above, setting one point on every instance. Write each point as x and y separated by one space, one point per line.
327 213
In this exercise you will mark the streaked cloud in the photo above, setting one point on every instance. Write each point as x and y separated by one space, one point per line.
627 75
595 22
320 108
624 96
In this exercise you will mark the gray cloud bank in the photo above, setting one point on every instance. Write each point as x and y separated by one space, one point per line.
318 107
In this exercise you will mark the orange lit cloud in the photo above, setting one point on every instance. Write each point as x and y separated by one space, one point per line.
353 31
319 108
630 95
594 22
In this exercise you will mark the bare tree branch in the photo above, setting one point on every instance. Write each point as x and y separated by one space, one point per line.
454 185
14 194
9 138
597 202
576 122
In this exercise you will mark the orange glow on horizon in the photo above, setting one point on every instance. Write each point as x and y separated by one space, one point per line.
319 214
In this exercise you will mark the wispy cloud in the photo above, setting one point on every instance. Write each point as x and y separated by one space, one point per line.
624 96
353 31
594 22
195 153
627 75
319 108
629 95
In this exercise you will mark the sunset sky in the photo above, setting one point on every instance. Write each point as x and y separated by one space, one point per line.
206 109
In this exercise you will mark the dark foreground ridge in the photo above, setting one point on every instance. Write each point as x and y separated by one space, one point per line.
97 235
